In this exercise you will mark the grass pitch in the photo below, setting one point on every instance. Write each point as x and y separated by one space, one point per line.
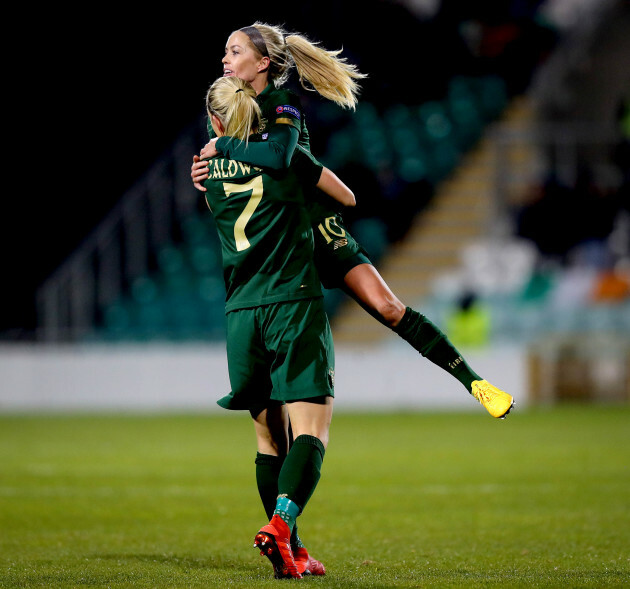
541 499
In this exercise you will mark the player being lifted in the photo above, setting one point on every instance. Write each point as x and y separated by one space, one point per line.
263 55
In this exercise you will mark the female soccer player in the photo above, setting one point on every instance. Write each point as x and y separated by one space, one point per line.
263 55
279 344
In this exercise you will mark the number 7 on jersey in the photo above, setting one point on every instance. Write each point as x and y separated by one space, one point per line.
256 187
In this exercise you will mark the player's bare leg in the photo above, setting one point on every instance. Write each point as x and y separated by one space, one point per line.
367 287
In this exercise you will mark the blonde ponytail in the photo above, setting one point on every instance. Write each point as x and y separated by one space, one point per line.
330 75
319 69
233 101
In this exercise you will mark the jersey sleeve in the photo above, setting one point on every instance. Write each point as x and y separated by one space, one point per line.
286 109
308 169
275 153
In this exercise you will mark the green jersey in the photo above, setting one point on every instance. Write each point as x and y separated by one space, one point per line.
281 106
336 251
265 232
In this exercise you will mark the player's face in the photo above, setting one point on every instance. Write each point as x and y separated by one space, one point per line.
240 59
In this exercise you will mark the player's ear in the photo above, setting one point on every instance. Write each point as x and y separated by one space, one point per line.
263 64
217 125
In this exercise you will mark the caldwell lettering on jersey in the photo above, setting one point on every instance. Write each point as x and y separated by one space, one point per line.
222 168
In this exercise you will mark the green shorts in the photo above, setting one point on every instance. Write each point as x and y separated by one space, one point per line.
279 353
336 251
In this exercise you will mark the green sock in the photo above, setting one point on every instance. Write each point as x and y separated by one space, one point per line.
301 470
425 337
267 472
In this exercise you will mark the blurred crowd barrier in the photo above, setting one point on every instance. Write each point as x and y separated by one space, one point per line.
191 377
595 368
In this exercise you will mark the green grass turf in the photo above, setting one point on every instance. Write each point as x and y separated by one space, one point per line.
541 499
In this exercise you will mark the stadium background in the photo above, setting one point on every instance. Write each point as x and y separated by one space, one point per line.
533 90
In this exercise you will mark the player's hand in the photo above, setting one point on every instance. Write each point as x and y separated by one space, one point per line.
199 172
210 149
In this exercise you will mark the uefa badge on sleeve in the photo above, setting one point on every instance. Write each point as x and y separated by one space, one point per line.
288 109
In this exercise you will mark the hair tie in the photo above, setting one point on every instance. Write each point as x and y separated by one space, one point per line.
239 90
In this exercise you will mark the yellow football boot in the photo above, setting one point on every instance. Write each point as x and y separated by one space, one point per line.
493 399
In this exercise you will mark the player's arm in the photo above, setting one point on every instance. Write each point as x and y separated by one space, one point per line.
199 168
275 153
333 186
283 129
312 172
283 133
